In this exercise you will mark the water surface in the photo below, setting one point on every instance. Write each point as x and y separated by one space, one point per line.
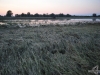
47 22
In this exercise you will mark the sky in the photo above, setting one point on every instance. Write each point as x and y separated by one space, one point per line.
73 7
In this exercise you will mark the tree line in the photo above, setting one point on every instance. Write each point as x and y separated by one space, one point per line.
10 13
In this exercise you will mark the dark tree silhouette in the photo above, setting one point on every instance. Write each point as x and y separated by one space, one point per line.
53 15
28 14
22 15
9 13
68 15
1 16
16 15
36 15
61 15
94 15
44 15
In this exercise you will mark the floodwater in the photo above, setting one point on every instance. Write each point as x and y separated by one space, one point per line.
47 22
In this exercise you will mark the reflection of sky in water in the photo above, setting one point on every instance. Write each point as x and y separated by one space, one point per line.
48 21
1 23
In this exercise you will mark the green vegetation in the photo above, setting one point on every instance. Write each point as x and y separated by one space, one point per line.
49 50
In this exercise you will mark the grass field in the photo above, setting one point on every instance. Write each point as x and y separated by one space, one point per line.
49 50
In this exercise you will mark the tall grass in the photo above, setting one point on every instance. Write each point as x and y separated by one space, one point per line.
49 50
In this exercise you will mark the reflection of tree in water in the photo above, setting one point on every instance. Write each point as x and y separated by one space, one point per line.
68 19
94 19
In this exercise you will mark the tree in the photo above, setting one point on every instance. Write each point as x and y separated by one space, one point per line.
94 15
36 15
17 15
68 15
1 16
61 15
44 15
28 14
22 15
52 15
9 13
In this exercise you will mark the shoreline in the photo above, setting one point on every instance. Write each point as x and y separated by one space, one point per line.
13 18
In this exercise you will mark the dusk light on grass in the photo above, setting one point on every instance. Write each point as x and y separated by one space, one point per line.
49 37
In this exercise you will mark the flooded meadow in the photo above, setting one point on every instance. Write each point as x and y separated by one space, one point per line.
42 22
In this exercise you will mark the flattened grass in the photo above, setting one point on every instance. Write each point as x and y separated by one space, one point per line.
49 50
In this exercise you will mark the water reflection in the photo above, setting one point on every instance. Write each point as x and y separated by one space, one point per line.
48 22
93 19
68 19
